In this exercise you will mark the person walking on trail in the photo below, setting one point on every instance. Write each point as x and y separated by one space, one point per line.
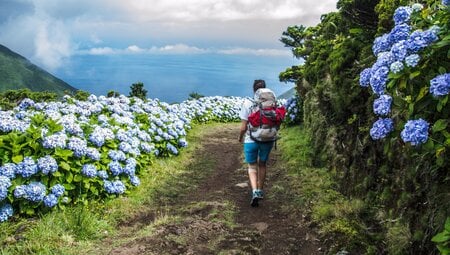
256 149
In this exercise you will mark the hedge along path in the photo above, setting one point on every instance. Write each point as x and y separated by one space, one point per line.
215 216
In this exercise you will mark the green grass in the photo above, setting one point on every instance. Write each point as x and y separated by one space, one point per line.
79 229
314 193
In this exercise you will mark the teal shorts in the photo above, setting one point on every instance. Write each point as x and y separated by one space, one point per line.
255 151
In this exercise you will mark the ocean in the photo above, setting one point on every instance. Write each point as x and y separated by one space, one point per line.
171 78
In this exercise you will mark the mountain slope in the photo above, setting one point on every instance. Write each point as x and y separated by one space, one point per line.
287 94
17 72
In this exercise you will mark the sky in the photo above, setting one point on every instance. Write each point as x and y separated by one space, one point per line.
50 32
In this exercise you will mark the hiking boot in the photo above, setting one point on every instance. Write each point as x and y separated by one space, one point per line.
254 201
259 193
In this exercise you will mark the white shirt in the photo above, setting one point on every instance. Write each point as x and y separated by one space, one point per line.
243 114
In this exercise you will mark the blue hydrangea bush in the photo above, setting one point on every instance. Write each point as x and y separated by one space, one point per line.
410 79
56 153
294 113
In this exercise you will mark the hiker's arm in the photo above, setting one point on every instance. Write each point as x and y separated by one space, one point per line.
243 130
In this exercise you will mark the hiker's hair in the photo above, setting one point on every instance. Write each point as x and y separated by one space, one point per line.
258 84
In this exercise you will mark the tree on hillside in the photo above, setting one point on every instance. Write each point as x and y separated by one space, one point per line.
137 90
82 95
113 93
195 95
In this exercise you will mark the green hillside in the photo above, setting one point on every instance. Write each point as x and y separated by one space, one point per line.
17 72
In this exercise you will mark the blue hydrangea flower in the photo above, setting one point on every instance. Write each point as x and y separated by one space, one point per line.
117 155
440 85
381 44
119 187
383 59
446 2
399 50
8 170
182 143
5 183
114 187
97 138
35 192
20 191
54 141
135 181
364 77
115 167
129 170
102 175
125 147
26 103
20 115
78 146
382 105
399 33
58 190
27 167
172 148
396 67
93 153
122 135
50 200
89 170
47 165
378 80
131 162
419 40
412 60
146 147
417 7
402 14
415 131
6 211
381 128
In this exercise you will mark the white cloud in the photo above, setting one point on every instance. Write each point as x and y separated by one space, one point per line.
223 10
257 52
134 49
183 49
52 45
100 51
180 49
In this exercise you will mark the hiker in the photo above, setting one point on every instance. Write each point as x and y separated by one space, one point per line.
258 138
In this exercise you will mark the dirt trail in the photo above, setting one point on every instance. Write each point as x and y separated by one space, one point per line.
216 218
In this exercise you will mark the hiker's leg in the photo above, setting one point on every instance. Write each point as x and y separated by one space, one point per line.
253 175
261 174
251 157
263 155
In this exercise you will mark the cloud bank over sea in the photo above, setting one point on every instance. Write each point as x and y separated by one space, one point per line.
50 32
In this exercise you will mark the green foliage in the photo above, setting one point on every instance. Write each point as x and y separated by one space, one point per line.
398 238
12 98
337 217
195 96
82 95
413 182
442 239
80 229
137 90
113 93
